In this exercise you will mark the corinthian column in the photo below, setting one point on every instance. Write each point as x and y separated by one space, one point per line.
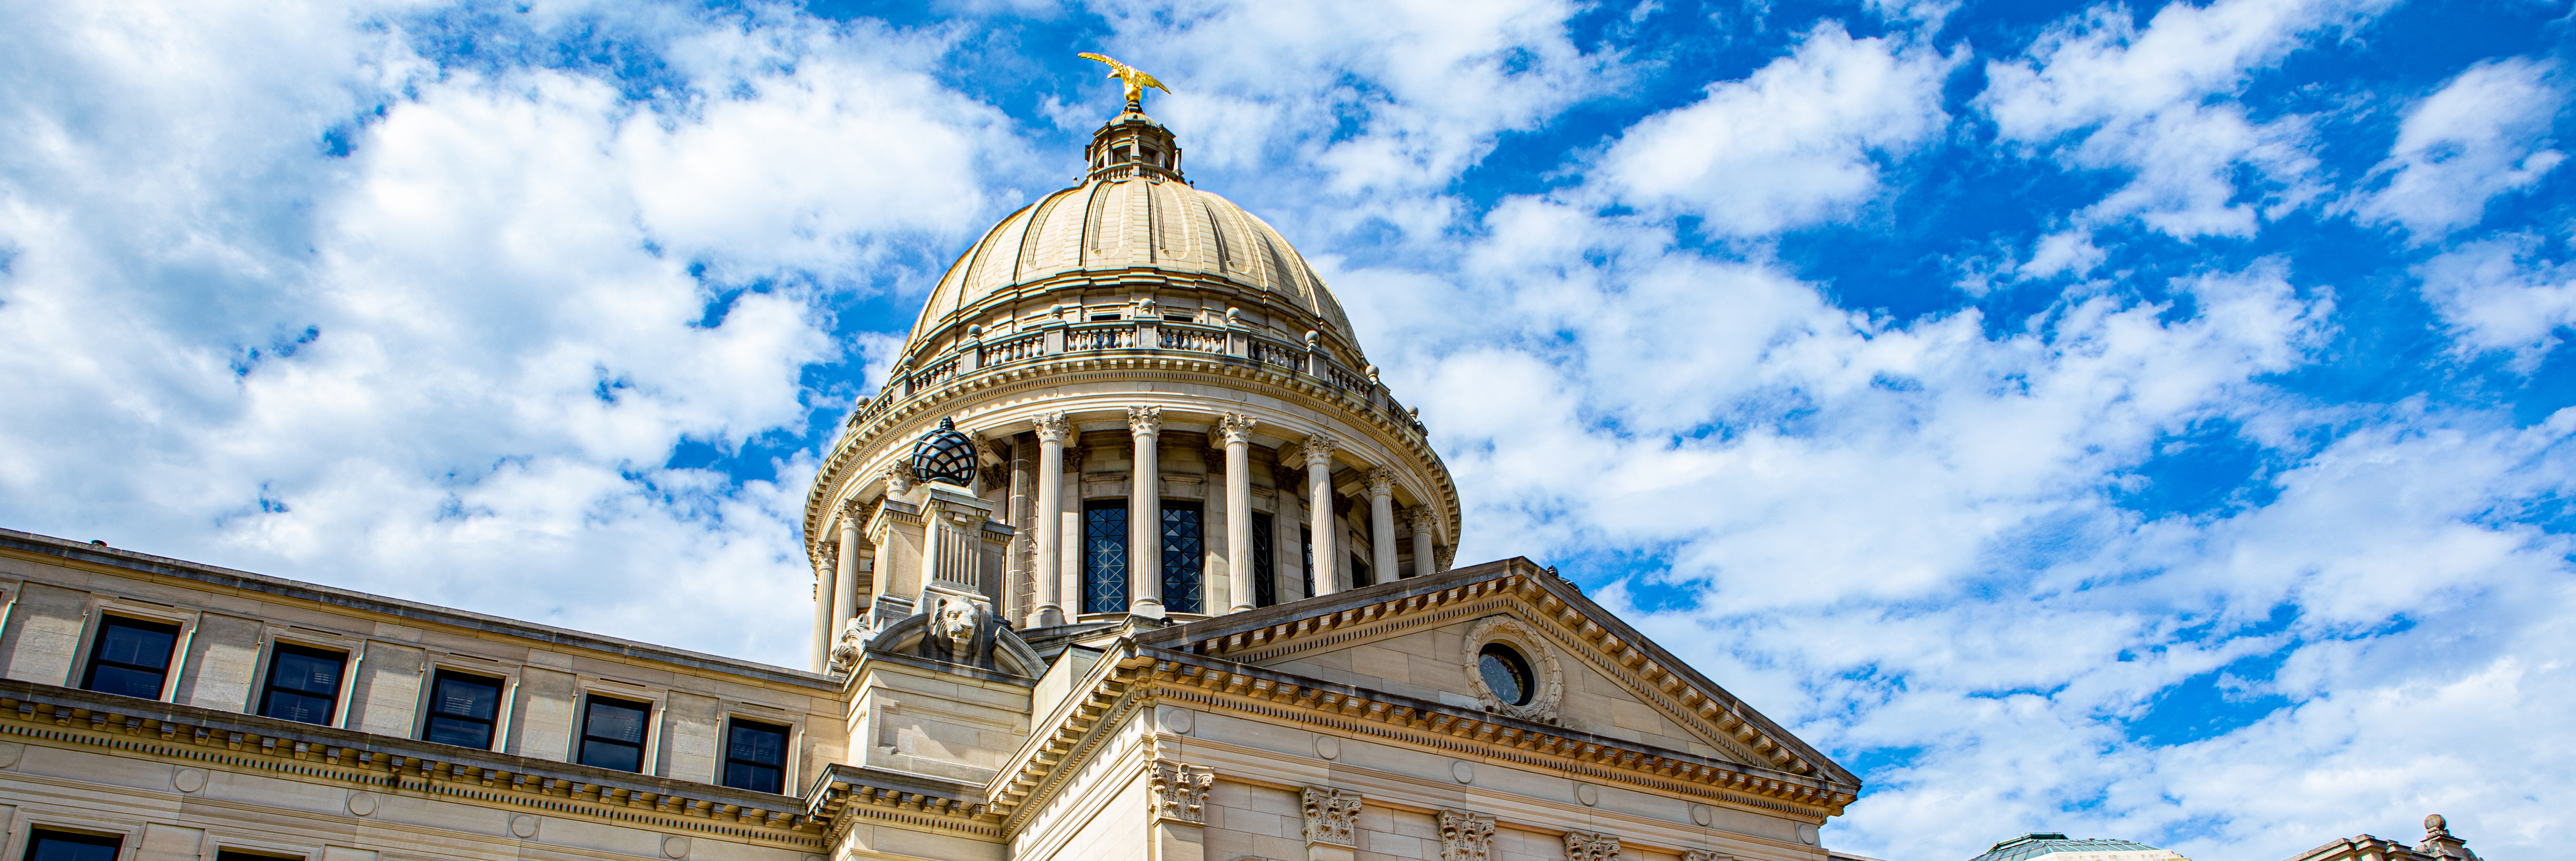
1052 429
1423 523
1145 515
1319 492
1238 510
1381 490
845 586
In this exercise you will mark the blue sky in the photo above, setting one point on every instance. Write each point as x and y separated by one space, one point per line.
2146 421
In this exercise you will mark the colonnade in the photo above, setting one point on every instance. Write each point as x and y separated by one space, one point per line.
837 593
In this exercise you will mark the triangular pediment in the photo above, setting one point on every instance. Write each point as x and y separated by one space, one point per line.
1592 673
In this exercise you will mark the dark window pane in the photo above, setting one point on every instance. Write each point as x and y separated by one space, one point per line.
467 697
130 657
1505 673
756 757
45 845
238 855
612 733
1306 536
459 732
1265 563
1360 574
1104 556
461 709
303 684
1184 550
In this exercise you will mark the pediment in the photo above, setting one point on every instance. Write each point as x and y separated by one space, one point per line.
1416 638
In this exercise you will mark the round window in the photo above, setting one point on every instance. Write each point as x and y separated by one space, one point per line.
1506 673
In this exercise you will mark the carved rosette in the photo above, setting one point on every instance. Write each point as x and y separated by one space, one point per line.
1234 428
1145 421
1549 681
1582 846
1332 817
1180 792
1465 836
1054 427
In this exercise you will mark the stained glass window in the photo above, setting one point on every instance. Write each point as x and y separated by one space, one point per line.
1104 556
1184 551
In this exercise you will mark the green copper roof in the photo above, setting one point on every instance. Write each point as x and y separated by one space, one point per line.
2035 845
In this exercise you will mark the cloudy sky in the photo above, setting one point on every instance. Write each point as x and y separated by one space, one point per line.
2147 421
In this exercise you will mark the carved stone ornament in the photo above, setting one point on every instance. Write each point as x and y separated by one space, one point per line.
1705 855
1581 846
1548 678
1423 519
845 648
1180 792
1318 449
898 479
955 628
1381 481
1234 428
1053 427
1145 421
1465 836
1332 817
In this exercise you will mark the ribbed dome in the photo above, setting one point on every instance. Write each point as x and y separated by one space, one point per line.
1122 219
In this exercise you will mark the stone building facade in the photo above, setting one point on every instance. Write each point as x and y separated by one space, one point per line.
1133 557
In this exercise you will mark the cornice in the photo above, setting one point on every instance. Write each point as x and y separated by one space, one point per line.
383 764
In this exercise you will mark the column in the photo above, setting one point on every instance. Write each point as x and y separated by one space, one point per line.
1423 523
1145 514
1052 429
1381 490
1238 509
1019 586
823 630
845 588
1319 509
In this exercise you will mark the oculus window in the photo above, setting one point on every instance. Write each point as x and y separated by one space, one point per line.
1265 563
1184 551
303 684
1505 672
45 845
462 708
612 733
1104 556
131 657
755 756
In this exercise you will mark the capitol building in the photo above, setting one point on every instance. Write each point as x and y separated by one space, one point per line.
1133 557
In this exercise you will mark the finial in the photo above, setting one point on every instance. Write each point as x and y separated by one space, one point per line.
2435 824
1135 79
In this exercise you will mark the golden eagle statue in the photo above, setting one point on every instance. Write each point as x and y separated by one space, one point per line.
1135 79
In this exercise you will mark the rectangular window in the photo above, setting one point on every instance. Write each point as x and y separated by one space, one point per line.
755 756
43 845
612 733
461 710
131 657
1184 551
1265 563
303 684
1307 535
1104 556
1360 574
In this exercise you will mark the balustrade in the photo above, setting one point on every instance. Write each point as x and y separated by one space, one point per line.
1114 337
1275 353
1014 349
1177 337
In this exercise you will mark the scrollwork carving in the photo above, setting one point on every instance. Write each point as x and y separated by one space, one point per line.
1465 836
1332 816
1180 792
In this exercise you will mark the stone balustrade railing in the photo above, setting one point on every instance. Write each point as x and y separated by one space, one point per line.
977 354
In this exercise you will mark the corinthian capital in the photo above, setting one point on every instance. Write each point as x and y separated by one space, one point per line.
1235 428
898 479
1580 846
1054 427
1319 449
1145 421
1180 791
1381 482
1424 519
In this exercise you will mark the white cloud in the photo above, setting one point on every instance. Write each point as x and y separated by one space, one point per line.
2097 92
451 365
2494 294
2482 135
1797 142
